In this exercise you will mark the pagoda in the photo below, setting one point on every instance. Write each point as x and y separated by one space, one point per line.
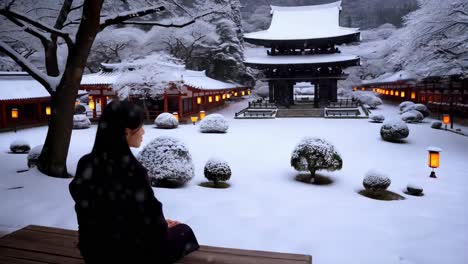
300 46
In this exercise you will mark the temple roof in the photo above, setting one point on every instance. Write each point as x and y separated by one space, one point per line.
259 56
316 22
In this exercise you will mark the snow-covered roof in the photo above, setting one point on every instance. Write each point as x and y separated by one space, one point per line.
260 56
304 23
19 85
303 85
196 79
391 77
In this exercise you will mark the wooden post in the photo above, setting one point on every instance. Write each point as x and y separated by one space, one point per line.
180 106
165 103
94 110
4 115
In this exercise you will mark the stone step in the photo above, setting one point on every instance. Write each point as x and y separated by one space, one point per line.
317 112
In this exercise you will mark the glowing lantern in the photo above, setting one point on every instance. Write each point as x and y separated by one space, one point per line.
391 92
434 159
355 89
224 96
48 111
92 105
397 93
243 93
202 115
217 98
402 94
446 119
194 119
228 96
14 113
363 88
199 100
76 103
413 95
210 99
176 115
386 92
248 92
235 94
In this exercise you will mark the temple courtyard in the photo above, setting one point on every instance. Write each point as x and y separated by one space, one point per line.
265 208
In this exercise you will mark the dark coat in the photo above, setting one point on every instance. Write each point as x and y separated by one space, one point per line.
120 220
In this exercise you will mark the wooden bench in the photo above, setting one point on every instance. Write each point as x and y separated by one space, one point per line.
39 244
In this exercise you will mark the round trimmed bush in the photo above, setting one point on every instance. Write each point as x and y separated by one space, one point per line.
312 154
422 109
33 156
394 130
405 105
214 123
81 122
376 118
376 181
168 162
166 121
20 146
412 116
217 170
436 124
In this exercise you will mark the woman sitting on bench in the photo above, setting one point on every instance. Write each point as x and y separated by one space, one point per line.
120 220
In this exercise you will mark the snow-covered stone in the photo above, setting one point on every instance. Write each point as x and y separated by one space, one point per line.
33 156
217 170
377 118
414 189
312 154
404 105
166 120
214 123
168 162
412 116
394 129
376 181
20 146
81 122
436 124
418 107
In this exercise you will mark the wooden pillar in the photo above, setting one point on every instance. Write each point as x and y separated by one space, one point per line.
180 106
95 106
166 108
4 115
316 95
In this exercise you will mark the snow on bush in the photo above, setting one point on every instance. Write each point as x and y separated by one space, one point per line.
166 120
214 123
394 129
404 105
217 170
81 122
168 162
367 98
412 116
376 181
377 118
19 146
436 124
312 154
418 107
33 156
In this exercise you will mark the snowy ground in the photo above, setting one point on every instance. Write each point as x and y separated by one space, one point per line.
266 209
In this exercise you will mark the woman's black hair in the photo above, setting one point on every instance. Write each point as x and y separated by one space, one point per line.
110 137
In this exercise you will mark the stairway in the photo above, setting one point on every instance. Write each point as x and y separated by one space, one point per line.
300 110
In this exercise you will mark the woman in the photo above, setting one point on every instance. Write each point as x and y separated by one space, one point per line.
120 220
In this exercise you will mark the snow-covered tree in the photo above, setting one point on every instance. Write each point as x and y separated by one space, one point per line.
412 116
312 154
65 36
168 162
166 121
214 123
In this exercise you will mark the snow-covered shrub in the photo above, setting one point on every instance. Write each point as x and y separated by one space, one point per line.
19 146
168 162
367 98
214 123
394 130
376 181
418 107
414 189
312 154
404 105
81 122
80 109
217 170
33 156
412 116
436 124
377 118
166 120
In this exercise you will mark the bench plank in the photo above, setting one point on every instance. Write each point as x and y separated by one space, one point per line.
40 244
